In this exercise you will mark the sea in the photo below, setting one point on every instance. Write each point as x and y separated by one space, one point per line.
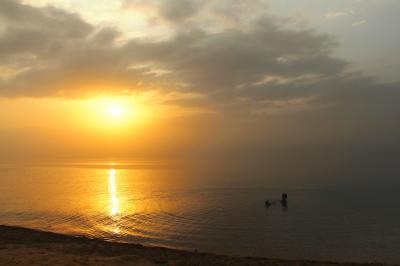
204 209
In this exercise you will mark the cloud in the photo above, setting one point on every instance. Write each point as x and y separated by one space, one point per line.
359 23
213 15
336 14
171 11
178 10
255 69
47 20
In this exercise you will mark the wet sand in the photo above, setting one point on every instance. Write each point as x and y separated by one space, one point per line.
20 246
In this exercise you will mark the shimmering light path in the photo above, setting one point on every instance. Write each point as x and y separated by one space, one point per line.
112 188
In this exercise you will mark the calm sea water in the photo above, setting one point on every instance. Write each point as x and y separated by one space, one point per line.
208 210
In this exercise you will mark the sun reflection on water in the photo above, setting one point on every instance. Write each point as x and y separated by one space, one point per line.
112 190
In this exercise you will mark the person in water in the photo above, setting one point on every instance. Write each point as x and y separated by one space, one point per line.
284 200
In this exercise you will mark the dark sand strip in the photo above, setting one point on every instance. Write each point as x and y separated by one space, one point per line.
20 246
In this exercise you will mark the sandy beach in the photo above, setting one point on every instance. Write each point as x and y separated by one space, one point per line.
21 246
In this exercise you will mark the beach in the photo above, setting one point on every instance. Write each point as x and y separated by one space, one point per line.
22 246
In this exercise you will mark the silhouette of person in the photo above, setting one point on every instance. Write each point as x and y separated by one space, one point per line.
284 200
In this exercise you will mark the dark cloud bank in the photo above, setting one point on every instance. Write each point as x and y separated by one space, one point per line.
283 100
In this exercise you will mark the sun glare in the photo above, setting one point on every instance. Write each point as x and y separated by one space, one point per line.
115 113
115 110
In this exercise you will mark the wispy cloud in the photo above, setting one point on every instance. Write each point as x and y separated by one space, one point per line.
336 14
359 23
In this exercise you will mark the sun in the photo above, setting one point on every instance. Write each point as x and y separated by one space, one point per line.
115 110
115 113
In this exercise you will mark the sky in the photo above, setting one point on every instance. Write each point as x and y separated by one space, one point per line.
307 85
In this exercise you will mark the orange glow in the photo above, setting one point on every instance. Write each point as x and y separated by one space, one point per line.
109 126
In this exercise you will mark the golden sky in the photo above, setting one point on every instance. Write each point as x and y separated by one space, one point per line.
196 78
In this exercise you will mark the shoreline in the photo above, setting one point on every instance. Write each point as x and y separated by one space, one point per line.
24 246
